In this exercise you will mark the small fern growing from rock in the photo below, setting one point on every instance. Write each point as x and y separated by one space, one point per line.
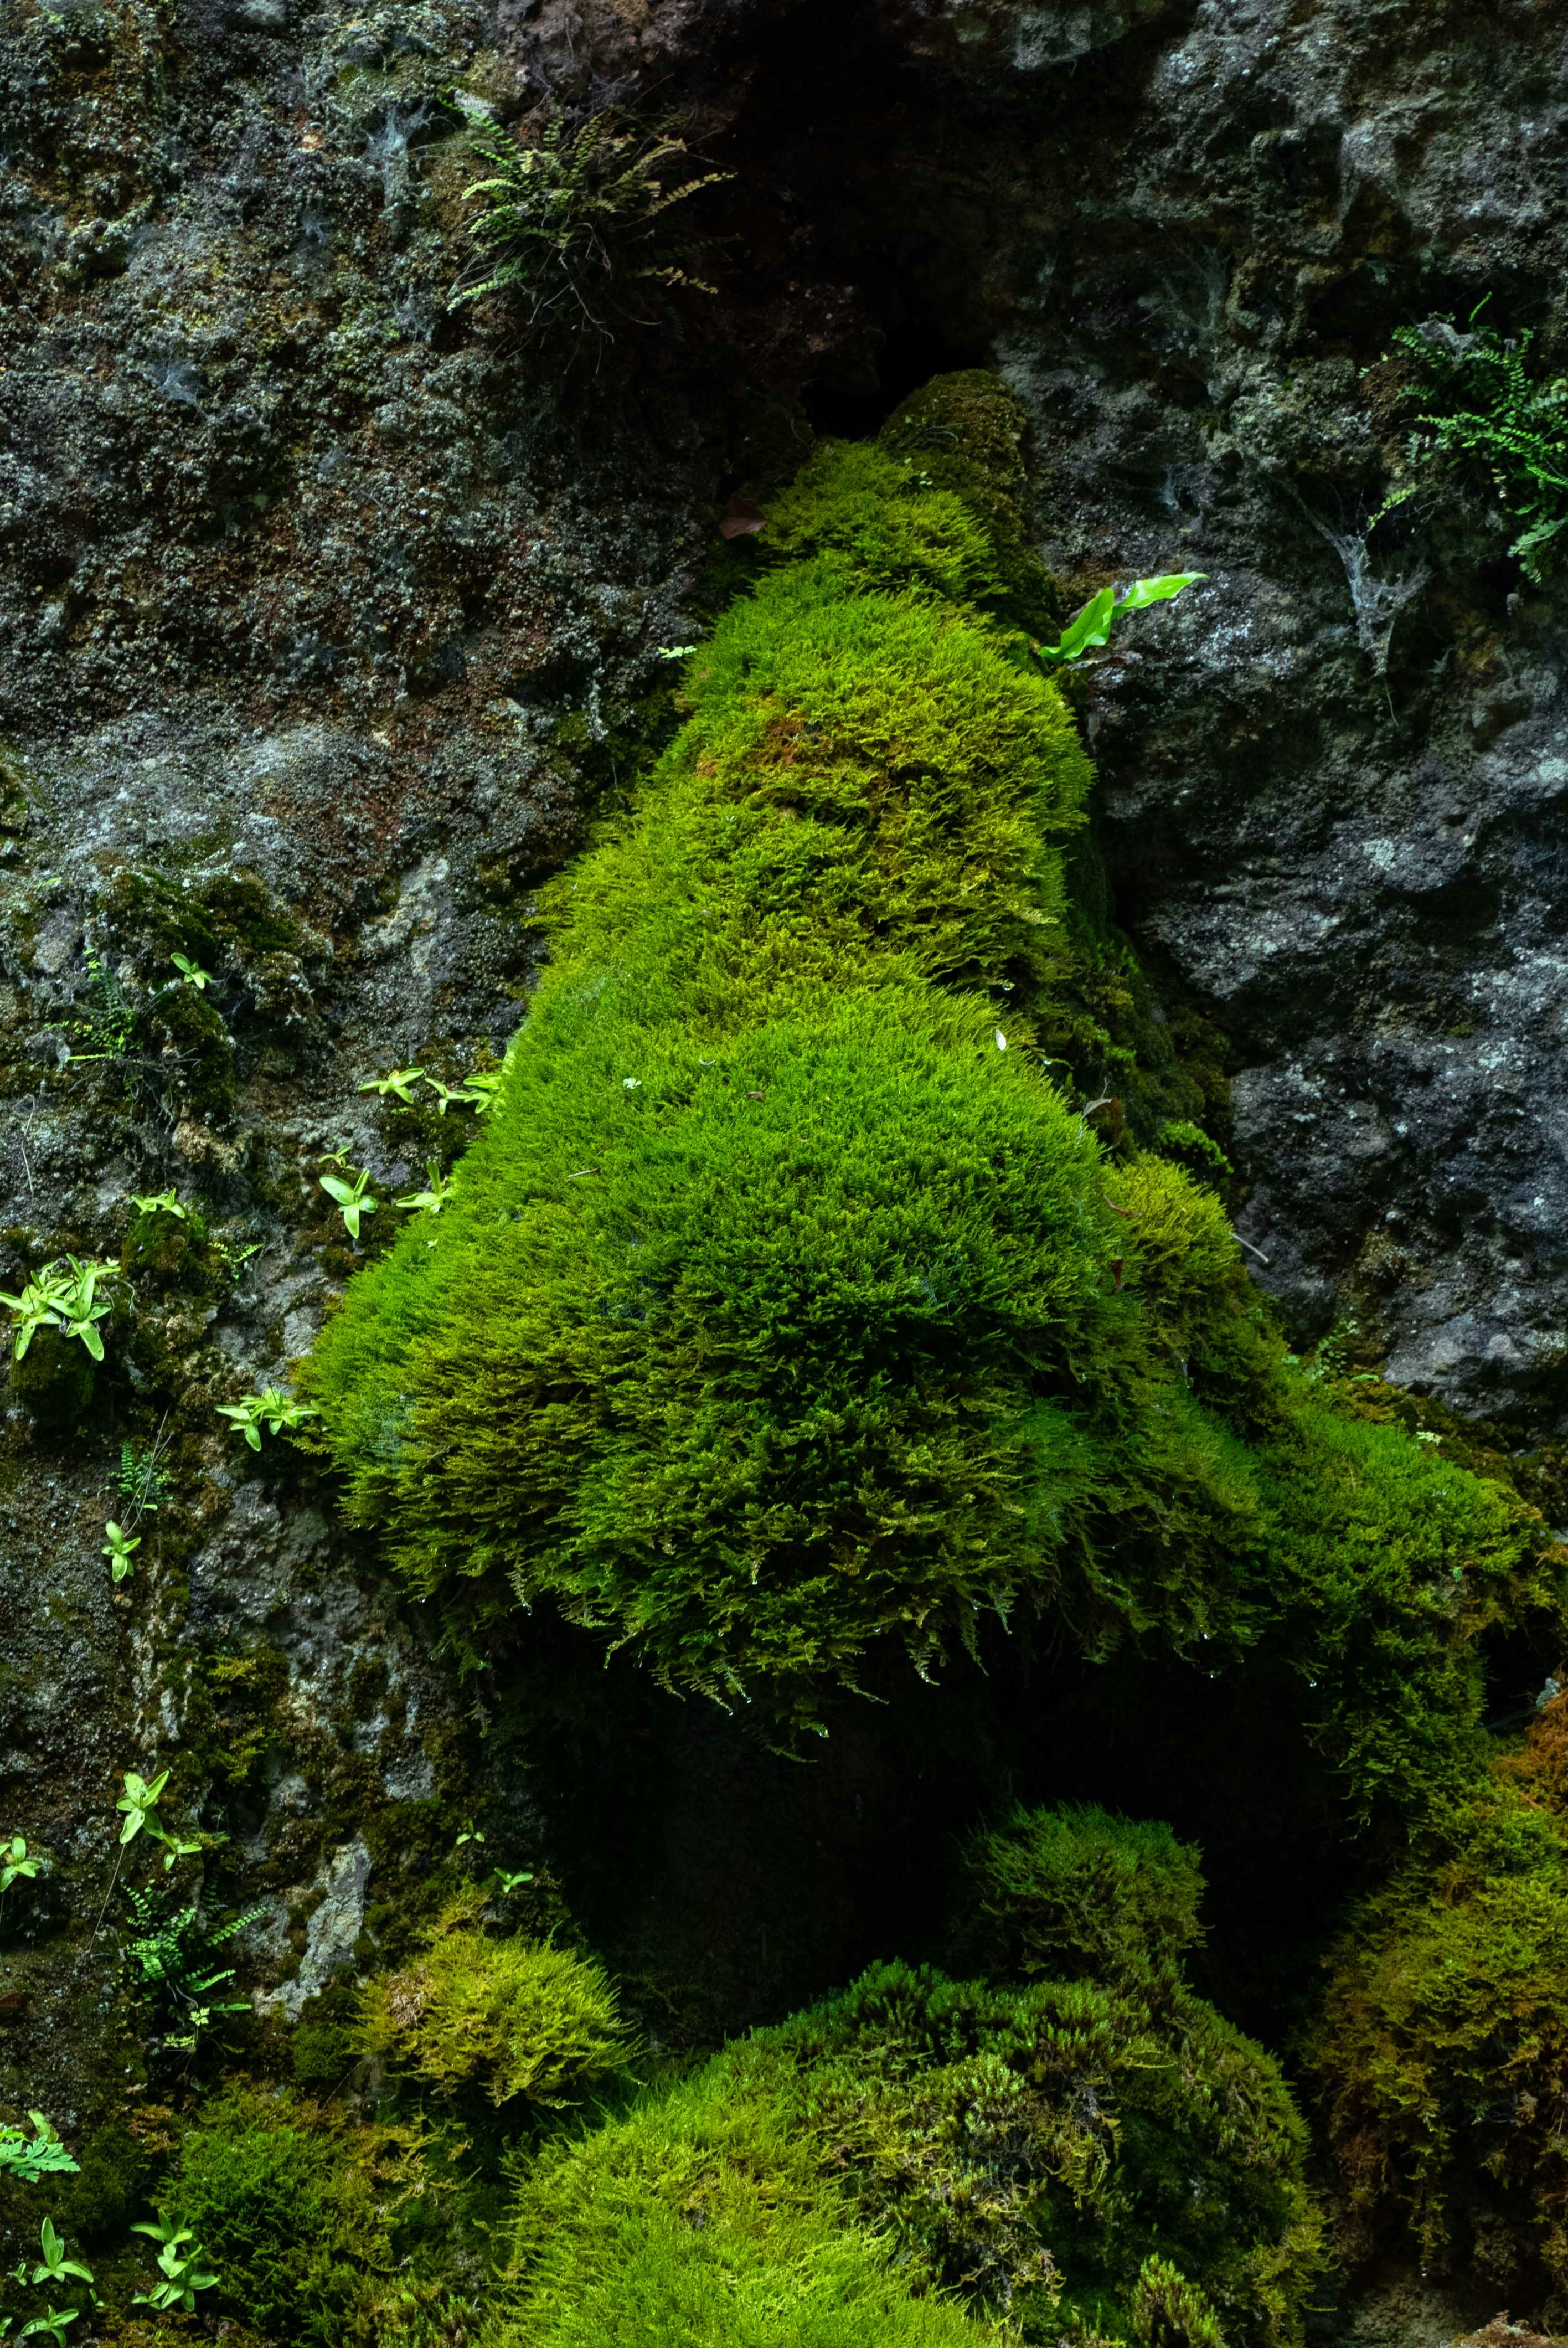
1488 408
579 221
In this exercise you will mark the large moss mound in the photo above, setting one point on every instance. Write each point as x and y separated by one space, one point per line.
789 1307
1058 2158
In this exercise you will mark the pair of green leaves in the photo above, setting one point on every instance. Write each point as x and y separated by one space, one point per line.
118 1547
1093 624
14 1863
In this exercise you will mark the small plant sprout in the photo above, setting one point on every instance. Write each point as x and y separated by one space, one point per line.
53 2322
62 1296
435 1197
397 1082
160 1202
178 2266
80 1311
673 651
53 2265
353 1198
505 1881
139 1803
470 1833
118 1547
446 1095
272 1408
15 1864
192 972
1093 624
482 1088
29 2158
175 1847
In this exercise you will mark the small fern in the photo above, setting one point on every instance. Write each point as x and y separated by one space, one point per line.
174 1951
1488 407
578 220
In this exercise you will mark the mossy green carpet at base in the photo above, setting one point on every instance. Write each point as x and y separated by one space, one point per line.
1097 2158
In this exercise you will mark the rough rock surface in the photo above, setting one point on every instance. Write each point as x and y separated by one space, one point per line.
312 584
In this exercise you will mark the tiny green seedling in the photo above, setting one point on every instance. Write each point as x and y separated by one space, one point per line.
353 1198
176 1846
504 1881
161 1202
446 1095
673 651
139 1803
192 972
470 1833
435 1197
1093 624
29 2158
15 1864
272 1408
53 2265
118 1547
397 1082
482 1089
178 2265
54 2322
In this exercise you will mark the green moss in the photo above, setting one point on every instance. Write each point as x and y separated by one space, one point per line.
324 2045
1077 1892
55 1380
703 2220
1041 2150
294 2210
513 2016
1038 2143
1441 2051
787 1308
1393 1565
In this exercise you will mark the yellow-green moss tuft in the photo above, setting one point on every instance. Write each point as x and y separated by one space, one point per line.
512 2017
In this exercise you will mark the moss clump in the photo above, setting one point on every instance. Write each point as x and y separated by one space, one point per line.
1442 2047
1050 2153
965 434
294 2210
1038 2143
1077 1892
703 2220
55 1380
786 1308
513 2016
